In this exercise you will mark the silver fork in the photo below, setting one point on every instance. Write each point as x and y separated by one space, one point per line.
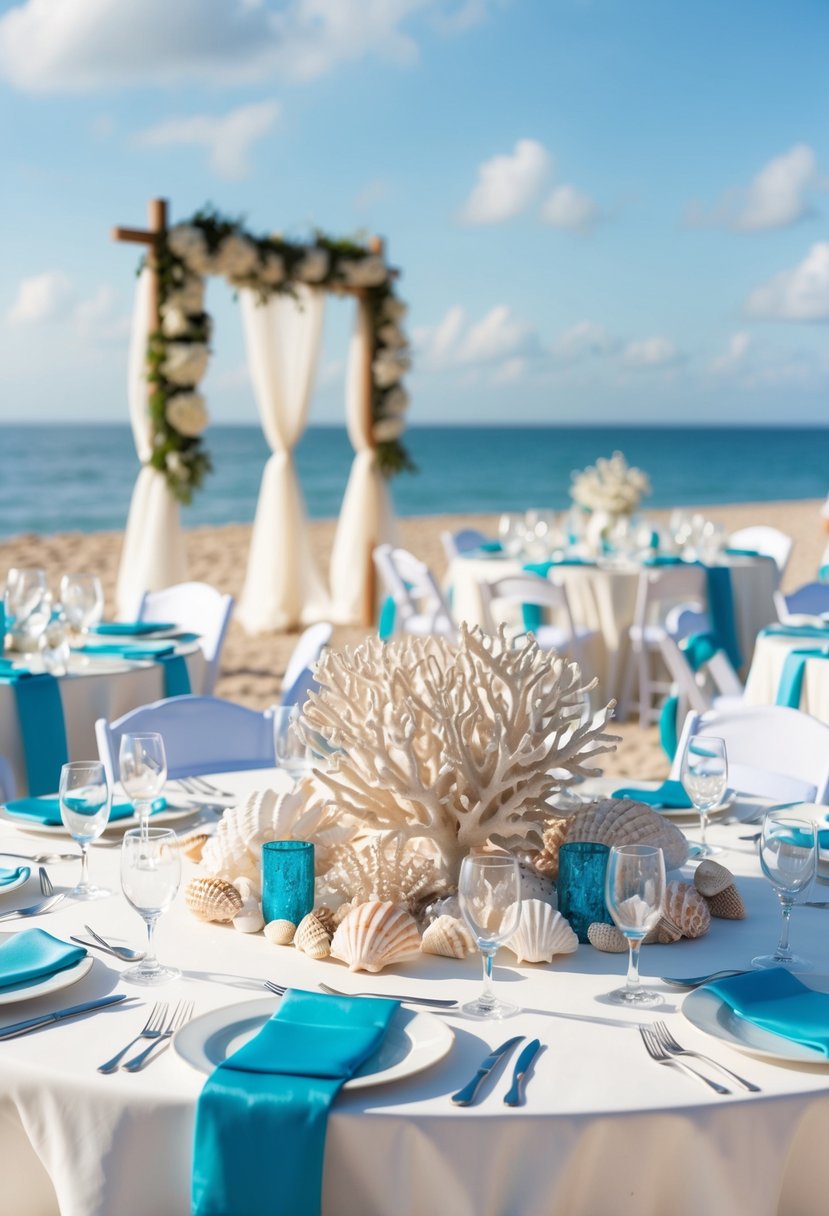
667 1040
42 905
181 1014
152 1028
209 788
658 1053
427 1002
46 887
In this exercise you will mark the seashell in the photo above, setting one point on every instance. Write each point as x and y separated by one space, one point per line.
192 845
535 885
710 878
312 938
234 850
615 821
727 904
280 932
447 936
448 906
246 888
249 918
665 933
375 934
686 909
541 933
327 919
607 938
213 899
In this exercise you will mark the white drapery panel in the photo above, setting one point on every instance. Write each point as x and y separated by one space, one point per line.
366 516
153 554
283 587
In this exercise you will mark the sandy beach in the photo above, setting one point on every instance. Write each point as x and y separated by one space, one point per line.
253 666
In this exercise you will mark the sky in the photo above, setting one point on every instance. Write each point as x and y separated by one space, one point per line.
601 210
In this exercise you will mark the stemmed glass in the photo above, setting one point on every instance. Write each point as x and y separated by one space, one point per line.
82 597
291 750
85 799
150 877
489 893
704 776
634 893
788 856
28 606
143 766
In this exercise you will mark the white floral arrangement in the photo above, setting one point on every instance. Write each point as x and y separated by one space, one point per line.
612 486
179 351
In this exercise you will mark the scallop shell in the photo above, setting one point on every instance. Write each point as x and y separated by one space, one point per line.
727 904
280 932
375 934
710 878
312 937
213 899
615 821
541 933
685 908
249 918
607 938
447 936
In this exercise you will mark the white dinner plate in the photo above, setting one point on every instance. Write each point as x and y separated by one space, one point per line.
17 882
414 1041
52 983
708 1013
170 815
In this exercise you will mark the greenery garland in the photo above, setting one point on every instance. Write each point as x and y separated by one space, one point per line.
178 351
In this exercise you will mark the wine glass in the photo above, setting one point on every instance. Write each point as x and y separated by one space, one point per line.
788 856
143 766
291 750
634 892
512 531
489 893
150 877
27 605
82 597
85 799
704 776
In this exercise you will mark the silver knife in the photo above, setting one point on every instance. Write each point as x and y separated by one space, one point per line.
812 903
513 1096
45 1019
465 1096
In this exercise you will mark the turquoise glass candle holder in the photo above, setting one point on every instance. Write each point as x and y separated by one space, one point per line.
287 880
582 866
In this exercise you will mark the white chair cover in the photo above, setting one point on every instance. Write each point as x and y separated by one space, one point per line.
283 586
153 554
366 516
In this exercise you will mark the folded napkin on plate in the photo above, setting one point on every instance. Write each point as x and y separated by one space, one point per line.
262 1115
775 1000
47 810
33 954
670 795
42 725
118 629
9 876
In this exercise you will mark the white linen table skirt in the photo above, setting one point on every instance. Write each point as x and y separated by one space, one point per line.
767 668
604 1129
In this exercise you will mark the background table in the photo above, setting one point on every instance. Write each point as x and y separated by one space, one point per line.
604 1129
767 667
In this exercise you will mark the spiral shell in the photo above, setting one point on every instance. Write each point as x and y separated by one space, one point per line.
447 936
686 909
213 899
375 934
710 878
280 932
727 904
541 933
614 821
312 938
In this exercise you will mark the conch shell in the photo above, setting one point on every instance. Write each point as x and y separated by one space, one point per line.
375 934
541 933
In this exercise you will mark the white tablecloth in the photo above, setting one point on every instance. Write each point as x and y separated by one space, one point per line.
604 1129
767 667
95 688
604 598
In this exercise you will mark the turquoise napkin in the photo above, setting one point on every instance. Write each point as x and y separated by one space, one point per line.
747 553
261 1118
664 559
818 632
176 675
775 1000
790 688
9 876
33 954
119 629
670 795
388 614
47 810
42 726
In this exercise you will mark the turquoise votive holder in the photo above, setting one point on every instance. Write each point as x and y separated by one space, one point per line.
582 865
287 880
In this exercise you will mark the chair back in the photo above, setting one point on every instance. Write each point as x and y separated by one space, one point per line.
811 599
764 539
692 691
201 735
662 588
420 604
199 608
8 785
466 540
299 680
527 589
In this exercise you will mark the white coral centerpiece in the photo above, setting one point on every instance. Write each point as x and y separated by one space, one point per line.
612 486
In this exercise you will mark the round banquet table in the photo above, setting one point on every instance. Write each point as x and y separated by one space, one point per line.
96 687
763 678
604 1129
603 597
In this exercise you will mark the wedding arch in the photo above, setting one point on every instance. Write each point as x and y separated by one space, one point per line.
282 287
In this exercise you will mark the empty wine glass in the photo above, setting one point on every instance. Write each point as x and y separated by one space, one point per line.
82 597
291 750
634 893
704 776
85 799
150 877
788 856
27 606
512 530
143 766
489 893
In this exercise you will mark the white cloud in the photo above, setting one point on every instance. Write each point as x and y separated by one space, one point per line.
735 353
775 198
508 184
511 371
229 138
455 341
98 317
582 339
567 207
650 352
801 294
43 297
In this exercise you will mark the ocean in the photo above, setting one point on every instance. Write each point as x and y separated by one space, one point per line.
79 478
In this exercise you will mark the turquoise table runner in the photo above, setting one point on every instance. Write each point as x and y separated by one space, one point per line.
777 1001
42 726
173 666
790 688
817 632
262 1116
721 612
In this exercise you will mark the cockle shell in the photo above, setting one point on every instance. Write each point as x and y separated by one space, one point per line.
375 934
614 821
312 937
327 918
541 933
727 904
710 878
685 908
249 918
213 899
447 936
280 932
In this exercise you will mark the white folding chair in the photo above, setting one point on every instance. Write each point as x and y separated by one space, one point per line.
199 608
201 735
812 599
420 605
8 785
764 539
464 541
561 634
773 751
299 680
